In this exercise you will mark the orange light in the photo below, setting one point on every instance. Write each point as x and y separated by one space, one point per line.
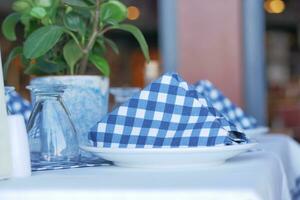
133 13
274 6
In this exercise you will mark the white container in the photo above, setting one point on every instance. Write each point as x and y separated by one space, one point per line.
20 156
5 148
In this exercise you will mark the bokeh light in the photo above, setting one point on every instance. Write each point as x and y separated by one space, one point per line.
274 6
133 13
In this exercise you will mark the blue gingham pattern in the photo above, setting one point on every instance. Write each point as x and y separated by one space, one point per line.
84 162
168 113
18 105
228 109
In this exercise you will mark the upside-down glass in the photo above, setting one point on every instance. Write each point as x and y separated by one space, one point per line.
52 134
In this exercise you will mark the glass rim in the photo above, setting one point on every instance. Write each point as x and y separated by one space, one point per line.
47 88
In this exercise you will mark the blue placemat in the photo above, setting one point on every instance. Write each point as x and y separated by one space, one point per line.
84 162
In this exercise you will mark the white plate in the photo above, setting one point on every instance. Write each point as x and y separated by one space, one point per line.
255 132
169 157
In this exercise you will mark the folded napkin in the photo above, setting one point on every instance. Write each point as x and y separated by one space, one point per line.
228 109
18 105
167 113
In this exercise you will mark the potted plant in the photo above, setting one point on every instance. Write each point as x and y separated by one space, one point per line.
61 39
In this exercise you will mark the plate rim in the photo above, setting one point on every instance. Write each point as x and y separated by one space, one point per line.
260 128
169 150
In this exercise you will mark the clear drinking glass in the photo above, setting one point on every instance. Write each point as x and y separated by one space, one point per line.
52 134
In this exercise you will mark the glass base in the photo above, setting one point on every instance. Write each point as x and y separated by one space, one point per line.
49 160
39 165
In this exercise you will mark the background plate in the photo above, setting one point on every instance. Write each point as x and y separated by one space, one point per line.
252 133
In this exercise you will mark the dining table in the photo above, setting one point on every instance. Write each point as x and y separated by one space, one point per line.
270 171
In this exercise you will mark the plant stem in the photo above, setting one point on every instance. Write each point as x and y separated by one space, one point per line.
91 41
104 30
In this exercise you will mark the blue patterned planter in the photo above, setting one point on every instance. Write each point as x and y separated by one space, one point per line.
86 98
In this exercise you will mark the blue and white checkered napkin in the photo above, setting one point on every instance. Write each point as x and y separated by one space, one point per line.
18 105
228 109
167 113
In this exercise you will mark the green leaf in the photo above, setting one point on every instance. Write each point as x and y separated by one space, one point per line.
44 67
82 12
12 55
53 9
138 36
43 3
21 6
100 63
25 20
33 69
74 22
42 40
72 54
113 12
76 3
91 1
112 44
8 26
99 47
38 12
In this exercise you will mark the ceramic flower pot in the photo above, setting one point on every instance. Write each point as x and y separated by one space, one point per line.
86 98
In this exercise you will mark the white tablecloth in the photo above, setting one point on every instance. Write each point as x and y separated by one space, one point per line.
288 151
257 175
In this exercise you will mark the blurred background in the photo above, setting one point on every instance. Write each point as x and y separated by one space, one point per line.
249 48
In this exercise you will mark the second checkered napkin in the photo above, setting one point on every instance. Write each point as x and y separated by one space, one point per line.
18 105
168 113
228 109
